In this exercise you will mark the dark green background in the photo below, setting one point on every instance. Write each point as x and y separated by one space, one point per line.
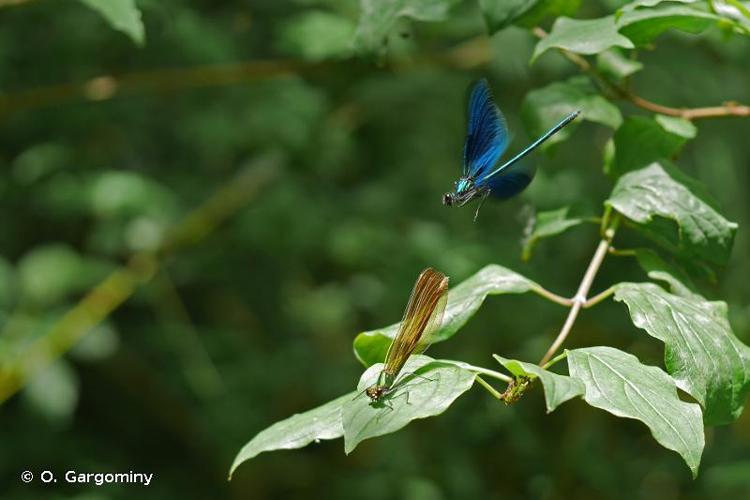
254 322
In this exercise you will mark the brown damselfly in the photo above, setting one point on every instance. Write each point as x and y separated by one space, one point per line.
422 318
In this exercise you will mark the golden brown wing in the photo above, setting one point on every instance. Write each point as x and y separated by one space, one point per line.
423 315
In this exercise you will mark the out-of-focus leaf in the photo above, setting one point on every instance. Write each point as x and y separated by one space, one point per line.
543 9
499 15
426 388
527 13
544 108
647 3
644 25
735 11
547 224
652 196
557 388
98 344
640 141
49 273
53 391
701 353
316 35
582 36
124 193
618 383
463 302
378 17
122 15
614 64
40 161
677 126
297 431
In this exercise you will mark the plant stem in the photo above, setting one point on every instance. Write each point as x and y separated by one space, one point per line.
553 297
599 297
491 373
554 360
583 289
489 388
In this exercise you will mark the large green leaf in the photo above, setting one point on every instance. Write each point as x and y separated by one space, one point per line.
617 382
502 13
543 108
643 25
425 388
463 301
546 225
297 431
557 388
641 141
589 36
379 17
652 196
122 15
701 353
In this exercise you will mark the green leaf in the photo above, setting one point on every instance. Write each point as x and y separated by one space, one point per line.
643 25
499 15
49 273
589 36
317 35
701 353
543 108
647 3
526 13
122 15
677 126
543 9
463 302
652 196
547 224
618 383
557 388
297 431
640 141
54 391
425 388
614 64
659 269
379 17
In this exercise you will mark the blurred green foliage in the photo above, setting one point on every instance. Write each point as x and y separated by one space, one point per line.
105 146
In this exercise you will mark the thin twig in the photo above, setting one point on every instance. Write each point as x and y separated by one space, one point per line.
729 108
489 388
583 289
119 286
599 297
554 360
553 297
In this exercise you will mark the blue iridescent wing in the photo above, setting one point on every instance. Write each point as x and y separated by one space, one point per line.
511 181
487 134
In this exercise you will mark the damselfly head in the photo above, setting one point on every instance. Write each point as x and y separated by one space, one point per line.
448 199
